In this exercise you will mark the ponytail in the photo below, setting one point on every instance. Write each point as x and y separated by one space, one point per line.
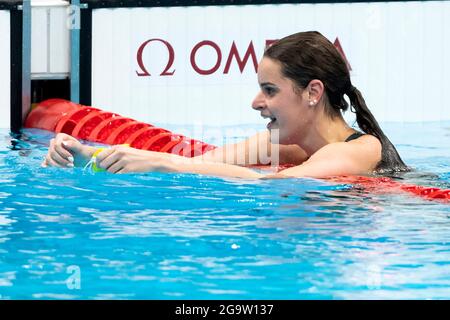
390 159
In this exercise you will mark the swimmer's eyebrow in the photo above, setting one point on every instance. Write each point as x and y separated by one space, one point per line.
265 84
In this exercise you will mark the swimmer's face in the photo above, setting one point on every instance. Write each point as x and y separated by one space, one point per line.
281 102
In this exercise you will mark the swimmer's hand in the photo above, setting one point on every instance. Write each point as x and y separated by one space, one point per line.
66 152
123 159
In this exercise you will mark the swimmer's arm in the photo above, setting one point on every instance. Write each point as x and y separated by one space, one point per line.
199 166
314 168
122 159
256 150
252 151
336 159
318 168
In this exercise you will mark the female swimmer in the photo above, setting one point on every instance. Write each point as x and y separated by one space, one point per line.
303 80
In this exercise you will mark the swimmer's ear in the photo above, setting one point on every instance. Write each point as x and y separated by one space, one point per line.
315 91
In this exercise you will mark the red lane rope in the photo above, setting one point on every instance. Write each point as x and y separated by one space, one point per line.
95 125
387 184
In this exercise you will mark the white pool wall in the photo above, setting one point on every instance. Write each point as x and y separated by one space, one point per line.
398 53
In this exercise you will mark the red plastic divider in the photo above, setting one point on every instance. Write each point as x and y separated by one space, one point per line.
106 127
70 121
47 114
88 123
162 142
384 184
124 131
140 137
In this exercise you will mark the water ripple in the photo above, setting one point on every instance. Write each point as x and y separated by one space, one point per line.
166 236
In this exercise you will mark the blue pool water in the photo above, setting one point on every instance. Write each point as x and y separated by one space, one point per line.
67 234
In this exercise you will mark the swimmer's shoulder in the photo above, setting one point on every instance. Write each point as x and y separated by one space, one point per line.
367 140
358 155
370 145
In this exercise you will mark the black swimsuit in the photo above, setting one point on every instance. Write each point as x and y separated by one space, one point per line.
354 136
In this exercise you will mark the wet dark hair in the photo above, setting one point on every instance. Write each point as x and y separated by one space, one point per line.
306 56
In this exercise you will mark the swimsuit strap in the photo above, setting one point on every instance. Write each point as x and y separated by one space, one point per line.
354 136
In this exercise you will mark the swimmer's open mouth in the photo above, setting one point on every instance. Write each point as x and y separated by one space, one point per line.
271 123
272 120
